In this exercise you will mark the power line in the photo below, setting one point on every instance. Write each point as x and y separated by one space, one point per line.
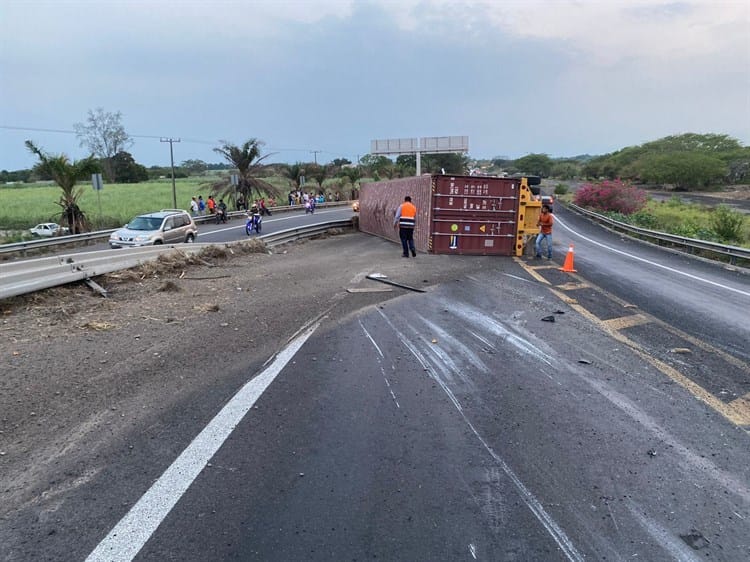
183 139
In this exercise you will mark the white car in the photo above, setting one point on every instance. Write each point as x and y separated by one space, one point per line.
49 229
168 226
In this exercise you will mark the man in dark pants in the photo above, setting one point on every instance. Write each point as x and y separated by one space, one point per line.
405 220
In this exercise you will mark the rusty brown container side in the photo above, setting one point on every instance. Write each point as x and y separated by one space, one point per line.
474 215
455 214
378 202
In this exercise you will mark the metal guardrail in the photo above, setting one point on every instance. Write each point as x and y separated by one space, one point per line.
28 276
690 245
293 234
78 239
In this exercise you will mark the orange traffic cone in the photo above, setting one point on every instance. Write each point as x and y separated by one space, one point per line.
568 265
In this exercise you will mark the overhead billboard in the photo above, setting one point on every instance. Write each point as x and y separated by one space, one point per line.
434 145
425 145
394 146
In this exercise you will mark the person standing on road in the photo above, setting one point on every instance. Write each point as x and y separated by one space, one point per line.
546 220
194 207
201 206
406 220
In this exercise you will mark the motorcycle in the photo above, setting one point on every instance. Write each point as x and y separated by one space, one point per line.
221 215
253 223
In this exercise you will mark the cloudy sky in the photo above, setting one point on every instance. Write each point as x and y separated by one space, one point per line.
557 77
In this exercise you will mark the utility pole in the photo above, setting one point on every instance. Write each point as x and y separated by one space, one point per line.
171 158
315 155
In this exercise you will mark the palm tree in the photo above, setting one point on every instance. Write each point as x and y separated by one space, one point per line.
66 174
293 172
248 161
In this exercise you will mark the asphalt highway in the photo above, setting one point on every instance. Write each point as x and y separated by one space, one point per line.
516 412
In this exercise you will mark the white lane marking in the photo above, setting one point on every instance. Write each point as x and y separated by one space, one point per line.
653 263
127 538
265 221
473 551
559 536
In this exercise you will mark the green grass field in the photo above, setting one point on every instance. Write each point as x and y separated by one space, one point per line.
22 205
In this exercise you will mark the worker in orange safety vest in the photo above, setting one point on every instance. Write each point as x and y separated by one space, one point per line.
405 220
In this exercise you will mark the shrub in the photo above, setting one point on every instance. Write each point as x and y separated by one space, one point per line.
615 195
644 219
726 223
561 189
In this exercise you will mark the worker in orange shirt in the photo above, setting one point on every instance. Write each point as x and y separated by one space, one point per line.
405 220
546 220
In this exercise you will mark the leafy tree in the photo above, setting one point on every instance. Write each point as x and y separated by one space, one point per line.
565 170
15 176
66 174
318 173
162 172
247 160
451 162
692 142
195 167
104 136
377 166
353 174
294 173
338 162
683 169
127 170
406 165
537 164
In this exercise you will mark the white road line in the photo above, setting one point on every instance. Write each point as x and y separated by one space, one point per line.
265 221
127 538
653 263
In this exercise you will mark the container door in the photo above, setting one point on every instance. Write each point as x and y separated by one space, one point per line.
474 215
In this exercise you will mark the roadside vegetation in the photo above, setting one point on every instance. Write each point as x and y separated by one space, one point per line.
626 203
58 189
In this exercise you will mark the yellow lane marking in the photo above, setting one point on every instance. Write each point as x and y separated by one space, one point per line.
736 414
742 405
731 359
737 411
626 321
573 286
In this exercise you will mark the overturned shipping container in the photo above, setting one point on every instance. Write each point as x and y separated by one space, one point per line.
455 214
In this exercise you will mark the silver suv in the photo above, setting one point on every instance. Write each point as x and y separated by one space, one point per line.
168 226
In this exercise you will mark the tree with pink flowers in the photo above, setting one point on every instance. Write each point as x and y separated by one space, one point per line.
611 196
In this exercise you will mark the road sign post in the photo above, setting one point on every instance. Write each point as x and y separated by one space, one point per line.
98 184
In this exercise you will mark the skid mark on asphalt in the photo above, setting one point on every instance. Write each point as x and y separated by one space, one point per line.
737 411
380 362
432 369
